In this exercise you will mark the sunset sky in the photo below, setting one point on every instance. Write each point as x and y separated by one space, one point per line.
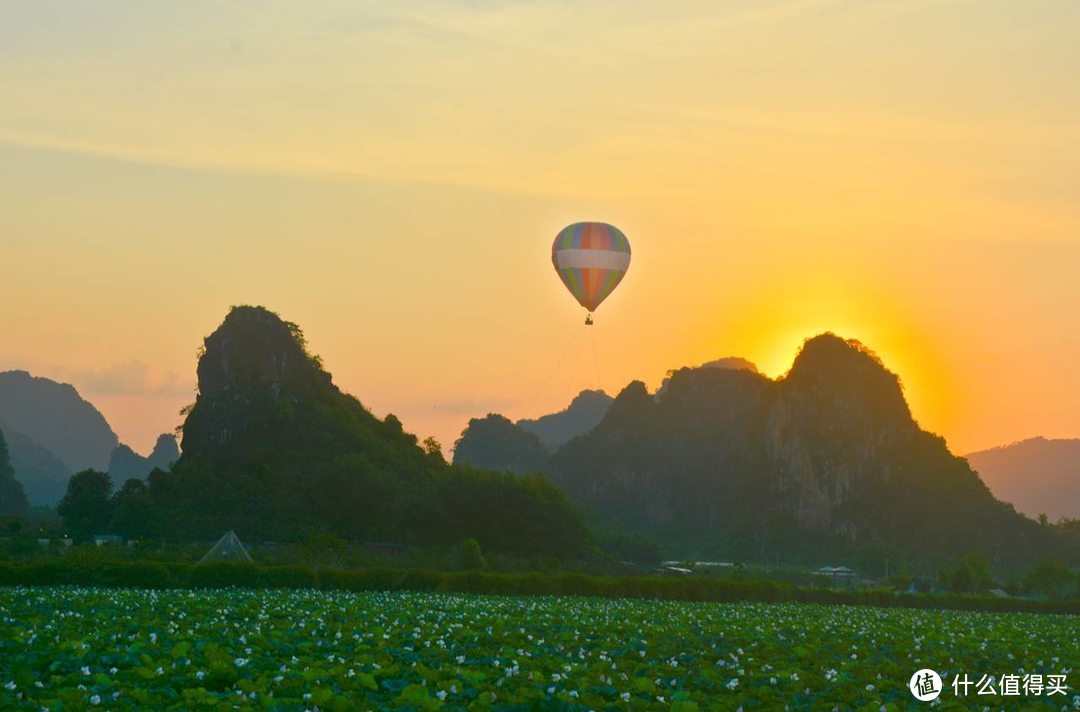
390 175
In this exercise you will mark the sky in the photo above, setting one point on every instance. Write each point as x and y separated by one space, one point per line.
391 175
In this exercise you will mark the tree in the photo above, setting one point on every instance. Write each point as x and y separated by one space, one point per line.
133 513
12 496
495 443
471 556
85 508
433 448
1050 578
968 574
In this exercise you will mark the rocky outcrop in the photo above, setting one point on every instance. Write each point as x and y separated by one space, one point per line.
829 428
253 362
669 466
275 451
732 462
125 463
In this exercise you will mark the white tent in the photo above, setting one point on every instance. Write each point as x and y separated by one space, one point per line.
228 548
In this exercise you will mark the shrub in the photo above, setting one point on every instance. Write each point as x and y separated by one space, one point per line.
687 588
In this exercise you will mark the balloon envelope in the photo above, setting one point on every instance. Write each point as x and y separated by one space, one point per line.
591 259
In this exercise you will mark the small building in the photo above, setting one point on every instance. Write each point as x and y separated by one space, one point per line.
839 572
102 539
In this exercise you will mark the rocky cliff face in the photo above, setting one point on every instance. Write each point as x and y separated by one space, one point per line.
671 465
830 425
253 368
732 462
274 450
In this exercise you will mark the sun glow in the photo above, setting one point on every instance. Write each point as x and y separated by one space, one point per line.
772 333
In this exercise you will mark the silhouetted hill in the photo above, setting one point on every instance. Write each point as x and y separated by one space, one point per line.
582 415
495 443
734 363
43 476
272 449
728 463
55 417
13 500
125 463
1038 476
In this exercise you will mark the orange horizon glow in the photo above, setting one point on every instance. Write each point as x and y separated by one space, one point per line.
391 176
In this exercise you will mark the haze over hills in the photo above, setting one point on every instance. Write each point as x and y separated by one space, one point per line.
582 415
55 417
728 463
13 500
53 432
125 463
43 476
1039 476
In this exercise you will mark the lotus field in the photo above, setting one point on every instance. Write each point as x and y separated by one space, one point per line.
74 648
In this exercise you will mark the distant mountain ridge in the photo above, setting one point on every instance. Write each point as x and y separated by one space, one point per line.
125 463
825 459
1039 475
583 414
55 417
53 432
728 463
478 444
43 476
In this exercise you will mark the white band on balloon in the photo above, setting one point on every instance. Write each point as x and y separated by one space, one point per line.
571 258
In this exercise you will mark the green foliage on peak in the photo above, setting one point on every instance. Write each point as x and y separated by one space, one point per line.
822 465
275 451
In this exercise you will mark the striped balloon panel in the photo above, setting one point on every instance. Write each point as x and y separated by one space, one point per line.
591 259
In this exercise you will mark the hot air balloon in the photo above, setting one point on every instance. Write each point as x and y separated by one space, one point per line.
591 259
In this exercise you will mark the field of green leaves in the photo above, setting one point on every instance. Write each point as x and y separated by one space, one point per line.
73 648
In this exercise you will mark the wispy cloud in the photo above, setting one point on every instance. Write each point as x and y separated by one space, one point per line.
130 378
